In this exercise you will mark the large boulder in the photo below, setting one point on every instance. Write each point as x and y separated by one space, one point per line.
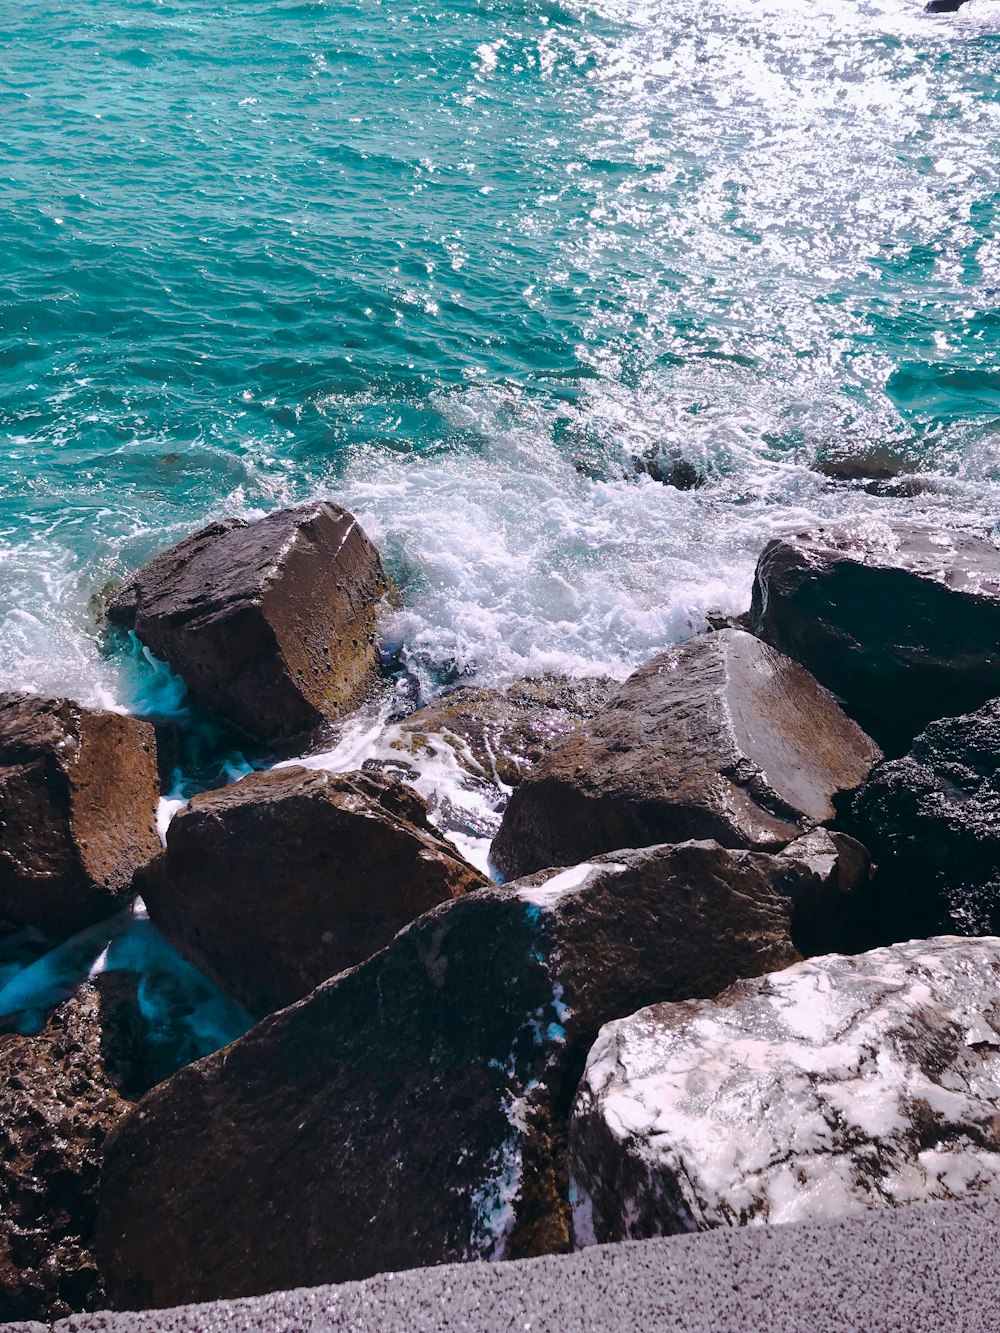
900 620
281 880
720 737
272 623
413 1110
932 822
838 1085
466 751
60 1095
78 797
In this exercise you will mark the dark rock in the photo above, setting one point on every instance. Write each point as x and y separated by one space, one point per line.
60 1095
932 821
271 624
672 470
277 882
875 463
826 876
901 620
943 6
78 797
838 1085
413 1110
720 737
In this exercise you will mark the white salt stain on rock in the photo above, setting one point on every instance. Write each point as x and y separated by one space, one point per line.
837 1085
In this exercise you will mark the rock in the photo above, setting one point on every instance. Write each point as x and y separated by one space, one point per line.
413 1110
501 734
943 6
839 1085
826 876
874 463
59 1097
272 623
465 751
671 470
900 620
281 880
932 821
78 797
720 737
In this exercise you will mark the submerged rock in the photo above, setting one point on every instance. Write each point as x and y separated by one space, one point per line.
78 797
413 1110
900 620
932 821
281 880
272 623
60 1094
839 1085
720 737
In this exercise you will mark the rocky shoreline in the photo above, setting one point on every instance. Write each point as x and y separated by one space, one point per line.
690 1001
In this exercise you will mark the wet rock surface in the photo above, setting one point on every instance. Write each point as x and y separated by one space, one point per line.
281 880
721 737
413 1110
271 624
838 1085
900 620
466 751
932 822
78 796
61 1092
500 734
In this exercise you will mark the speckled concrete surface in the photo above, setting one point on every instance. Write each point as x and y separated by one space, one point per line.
926 1267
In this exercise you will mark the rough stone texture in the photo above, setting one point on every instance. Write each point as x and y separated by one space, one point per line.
281 880
721 737
271 624
932 821
467 750
78 796
60 1094
838 1085
917 1269
501 734
413 1110
900 620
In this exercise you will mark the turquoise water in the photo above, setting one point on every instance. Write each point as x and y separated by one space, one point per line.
459 265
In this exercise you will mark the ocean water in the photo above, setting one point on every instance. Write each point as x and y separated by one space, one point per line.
460 266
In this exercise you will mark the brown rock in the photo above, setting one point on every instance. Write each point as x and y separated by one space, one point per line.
59 1097
901 620
719 737
413 1110
498 735
285 878
78 796
271 624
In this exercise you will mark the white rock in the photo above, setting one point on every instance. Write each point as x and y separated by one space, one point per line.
837 1085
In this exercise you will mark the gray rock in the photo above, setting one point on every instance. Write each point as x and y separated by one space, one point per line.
413 1110
78 796
838 1085
900 620
279 881
271 624
932 821
720 737
917 1269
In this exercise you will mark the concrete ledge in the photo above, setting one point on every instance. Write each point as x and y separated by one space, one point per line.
924 1267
